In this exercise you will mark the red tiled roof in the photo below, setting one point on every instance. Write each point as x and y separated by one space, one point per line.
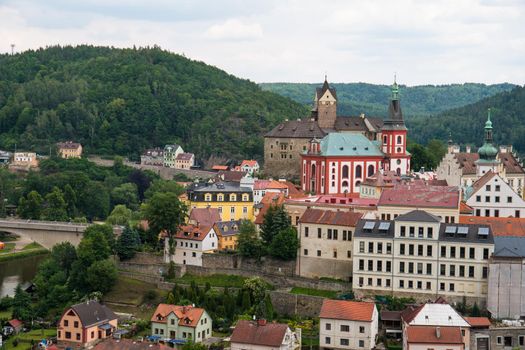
188 316
220 167
68 145
248 332
268 200
478 322
250 163
128 344
464 208
184 156
231 175
329 217
193 232
429 335
421 196
510 163
411 312
269 184
500 226
347 310
385 179
205 216
15 323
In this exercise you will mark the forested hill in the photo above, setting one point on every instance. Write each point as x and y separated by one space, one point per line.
465 124
121 101
357 98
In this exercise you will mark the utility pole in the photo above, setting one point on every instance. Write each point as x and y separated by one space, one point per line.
12 49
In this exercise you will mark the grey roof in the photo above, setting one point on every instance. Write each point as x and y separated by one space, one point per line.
509 247
375 232
471 235
372 124
219 187
229 228
394 121
302 128
92 312
418 215
320 91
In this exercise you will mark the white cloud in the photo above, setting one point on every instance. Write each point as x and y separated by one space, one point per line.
234 29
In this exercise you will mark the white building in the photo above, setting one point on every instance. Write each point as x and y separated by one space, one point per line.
419 256
348 325
170 154
260 335
492 196
250 166
190 243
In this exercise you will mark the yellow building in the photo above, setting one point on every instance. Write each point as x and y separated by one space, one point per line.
69 149
228 233
234 202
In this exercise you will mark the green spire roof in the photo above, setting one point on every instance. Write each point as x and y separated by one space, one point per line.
395 90
488 123
488 152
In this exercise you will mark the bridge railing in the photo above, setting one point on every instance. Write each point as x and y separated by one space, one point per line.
44 222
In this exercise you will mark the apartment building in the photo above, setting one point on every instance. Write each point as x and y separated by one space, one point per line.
191 241
325 238
417 255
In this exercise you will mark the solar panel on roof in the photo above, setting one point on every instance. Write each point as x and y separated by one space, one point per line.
483 231
463 230
450 229
384 226
369 225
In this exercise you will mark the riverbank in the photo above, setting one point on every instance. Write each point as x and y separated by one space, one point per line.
26 253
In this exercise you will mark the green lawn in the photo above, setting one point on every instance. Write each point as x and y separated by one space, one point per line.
7 248
217 280
24 254
24 339
314 292
129 291
5 314
33 245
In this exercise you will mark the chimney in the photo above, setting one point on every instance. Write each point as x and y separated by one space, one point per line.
468 149
261 322
438 332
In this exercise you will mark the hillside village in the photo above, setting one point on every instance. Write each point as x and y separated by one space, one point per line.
334 228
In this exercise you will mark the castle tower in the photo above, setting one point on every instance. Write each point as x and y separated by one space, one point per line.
325 106
394 136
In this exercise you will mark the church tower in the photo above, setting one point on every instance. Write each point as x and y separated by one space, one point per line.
488 152
394 136
325 106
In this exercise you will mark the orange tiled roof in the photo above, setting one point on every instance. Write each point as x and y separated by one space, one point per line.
250 163
478 321
330 217
347 310
500 226
188 315
193 232
220 167
464 208
434 335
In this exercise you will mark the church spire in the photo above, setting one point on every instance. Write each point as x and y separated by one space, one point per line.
395 90
488 151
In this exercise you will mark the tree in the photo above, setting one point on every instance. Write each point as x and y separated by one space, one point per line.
55 206
165 213
248 244
22 309
163 186
104 229
70 197
125 194
94 201
128 243
420 157
120 215
285 244
257 288
437 150
31 206
64 254
141 180
275 220
101 276
194 346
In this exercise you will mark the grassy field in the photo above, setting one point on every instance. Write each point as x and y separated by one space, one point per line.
5 314
217 280
24 339
314 292
7 248
24 254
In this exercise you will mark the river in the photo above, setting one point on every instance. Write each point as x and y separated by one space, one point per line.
17 271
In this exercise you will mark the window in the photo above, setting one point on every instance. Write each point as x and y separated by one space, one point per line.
306 231
516 213
412 231
66 323
370 247
429 269
78 336
75 324
379 265
344 342
478 198
361 264
361 247
389 248
318 253
443 251
232 210
327 340
420 250
452 270
402 231
472 253
361 343
402 267
521 340
361 329
410 249
379 248
335 234
410 267
430 232
401 284
387 282
370 265
485 253
462 252
379 282
452 252
194 255
335 254
451 287
345 171
496 212
496 199
443 270
345 328
420 232
487 199
358 171
348 254
305 252
369 281
429 250
509 199
461 271
329 234
360 281
442 286
429 285
485 272
499 340
328 326
487 188
419 268
402 249
410 284
471 271
319 233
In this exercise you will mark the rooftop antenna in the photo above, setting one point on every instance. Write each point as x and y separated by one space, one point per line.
12 49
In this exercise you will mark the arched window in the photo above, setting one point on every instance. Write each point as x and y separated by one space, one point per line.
358 171
357 184
398 171
207 197
312 173
345 171
345 185
220 197
399 140
233 197
370 170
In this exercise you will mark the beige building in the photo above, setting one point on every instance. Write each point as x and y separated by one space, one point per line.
418 255
441 201
25 159
325 238
348 325
69 149
184 161
83 325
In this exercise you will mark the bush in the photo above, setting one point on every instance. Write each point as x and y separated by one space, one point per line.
150 296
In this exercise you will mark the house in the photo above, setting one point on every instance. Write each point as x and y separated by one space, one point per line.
69 149
464 168
250 166
417 255
16 325
186 323
129 344
191 241
230 175
502 336
25 160
490 195
348 325
152 156
170 154
184 161
391 322
204 216
260 335
261 187
325 238
5 157
435 326
227 233
85 324
233 200
441 201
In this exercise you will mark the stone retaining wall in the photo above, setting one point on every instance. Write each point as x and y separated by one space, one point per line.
296 304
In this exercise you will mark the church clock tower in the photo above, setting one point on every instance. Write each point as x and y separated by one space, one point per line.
325 106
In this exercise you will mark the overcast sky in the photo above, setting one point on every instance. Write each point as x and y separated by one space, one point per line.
424 42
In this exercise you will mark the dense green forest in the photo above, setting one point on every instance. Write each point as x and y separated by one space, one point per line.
465 124
121 101
357 98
